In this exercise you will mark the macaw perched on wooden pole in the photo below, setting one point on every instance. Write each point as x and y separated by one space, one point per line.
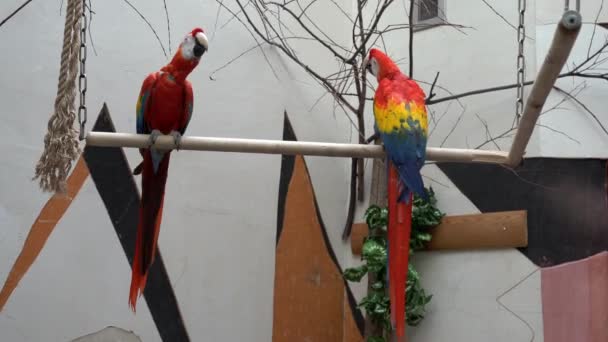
401 122
164 107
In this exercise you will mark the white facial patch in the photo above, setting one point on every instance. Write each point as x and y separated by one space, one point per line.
188 47
374 67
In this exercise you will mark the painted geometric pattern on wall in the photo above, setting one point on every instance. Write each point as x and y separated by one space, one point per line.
312 301
113 178
567 207
311 298
565 199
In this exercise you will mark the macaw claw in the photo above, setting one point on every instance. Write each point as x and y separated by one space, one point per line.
177 138
153 136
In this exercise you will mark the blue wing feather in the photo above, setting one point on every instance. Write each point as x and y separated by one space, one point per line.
189 106
143 102
406 150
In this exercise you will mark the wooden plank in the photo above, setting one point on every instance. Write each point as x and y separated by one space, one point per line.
504 229
357 235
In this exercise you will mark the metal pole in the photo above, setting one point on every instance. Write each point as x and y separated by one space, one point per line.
166 142
563 40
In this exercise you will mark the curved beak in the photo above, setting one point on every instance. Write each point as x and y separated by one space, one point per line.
365 65
202 44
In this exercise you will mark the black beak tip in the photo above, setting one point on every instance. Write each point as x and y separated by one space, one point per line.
199 50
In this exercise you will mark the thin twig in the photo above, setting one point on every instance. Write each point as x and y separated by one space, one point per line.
149 25
594 28
91 12
232 61
584 107
168 24
411 45
14 12
488 134
453 128
431 93
559 132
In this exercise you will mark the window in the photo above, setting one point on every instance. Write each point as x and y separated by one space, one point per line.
428 13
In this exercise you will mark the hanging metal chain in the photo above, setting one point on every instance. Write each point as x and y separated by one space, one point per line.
521 61
82 79
578 5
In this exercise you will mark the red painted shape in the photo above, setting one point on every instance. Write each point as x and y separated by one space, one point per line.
575 300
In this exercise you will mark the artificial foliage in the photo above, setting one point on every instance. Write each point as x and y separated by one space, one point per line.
374 254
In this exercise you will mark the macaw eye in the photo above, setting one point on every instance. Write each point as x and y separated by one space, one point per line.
373 66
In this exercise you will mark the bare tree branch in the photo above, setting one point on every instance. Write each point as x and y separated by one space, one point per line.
168 24
22 6
584 107
149 25
411 45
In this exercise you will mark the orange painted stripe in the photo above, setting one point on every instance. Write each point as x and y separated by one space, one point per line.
40 231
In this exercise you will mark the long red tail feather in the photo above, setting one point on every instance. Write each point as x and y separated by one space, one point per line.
150 217
399 229
393 194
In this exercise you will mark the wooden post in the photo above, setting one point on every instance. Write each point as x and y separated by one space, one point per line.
377 197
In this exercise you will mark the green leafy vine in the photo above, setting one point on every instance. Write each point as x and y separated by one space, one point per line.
376 303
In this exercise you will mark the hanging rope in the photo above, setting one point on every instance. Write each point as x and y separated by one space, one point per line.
60 142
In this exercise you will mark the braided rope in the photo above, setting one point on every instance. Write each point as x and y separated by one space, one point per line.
60 142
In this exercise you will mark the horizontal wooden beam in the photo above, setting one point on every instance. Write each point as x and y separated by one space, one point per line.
323 149
504 229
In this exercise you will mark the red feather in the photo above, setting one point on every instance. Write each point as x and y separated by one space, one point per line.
399 229
150 216
196 30
166 105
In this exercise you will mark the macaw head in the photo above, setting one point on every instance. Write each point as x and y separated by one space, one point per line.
194 45
186 58
380 65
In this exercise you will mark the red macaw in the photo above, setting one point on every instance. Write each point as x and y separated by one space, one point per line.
401 122
164 107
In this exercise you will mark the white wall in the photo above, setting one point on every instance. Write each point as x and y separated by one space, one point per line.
216 203
218 233
570 131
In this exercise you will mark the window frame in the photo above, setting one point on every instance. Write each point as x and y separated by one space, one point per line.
440 19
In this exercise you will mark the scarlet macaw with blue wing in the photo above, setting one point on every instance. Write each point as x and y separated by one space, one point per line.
164 106
401 122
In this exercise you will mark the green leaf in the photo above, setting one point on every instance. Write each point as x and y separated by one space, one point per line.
376 339
375 254
376 217
355 273
376 304
379 285
416 298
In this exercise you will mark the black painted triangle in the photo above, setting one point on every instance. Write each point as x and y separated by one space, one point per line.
287 164
112 176
565 200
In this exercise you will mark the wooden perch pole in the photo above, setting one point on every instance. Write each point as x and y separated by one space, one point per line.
105 139
563 41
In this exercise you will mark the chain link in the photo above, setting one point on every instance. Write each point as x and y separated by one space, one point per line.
567 5
82 79
521 61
